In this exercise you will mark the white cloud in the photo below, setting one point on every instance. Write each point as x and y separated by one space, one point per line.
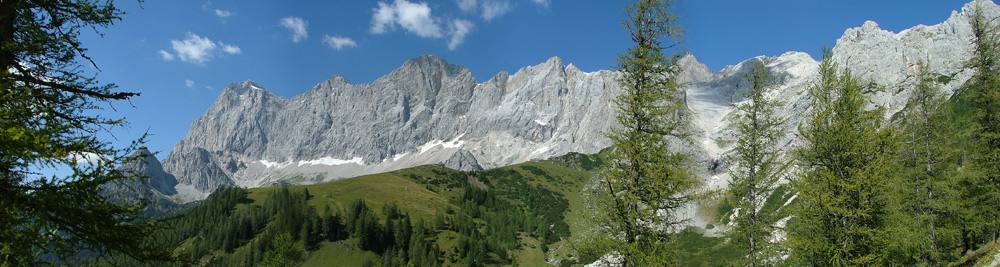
495 8
543 3
223 13
459 28
166 55
197 49
467 6
337 42
416 18
87 158
384 18
230 49
194 49
189 83
413 17
297 26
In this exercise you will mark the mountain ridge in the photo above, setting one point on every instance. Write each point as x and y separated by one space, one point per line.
421 113
429 111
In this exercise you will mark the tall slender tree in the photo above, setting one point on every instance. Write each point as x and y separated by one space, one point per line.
47 107
927 193
644 182
758 165
983 189
840 210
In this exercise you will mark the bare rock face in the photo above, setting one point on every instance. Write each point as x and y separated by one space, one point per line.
429 111
425 112
463 161
152 179
891 59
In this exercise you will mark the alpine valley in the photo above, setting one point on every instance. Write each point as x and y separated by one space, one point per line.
540 128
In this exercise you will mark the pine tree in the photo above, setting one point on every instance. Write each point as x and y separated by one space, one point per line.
841 205
644 182
927 192
983 189
758 166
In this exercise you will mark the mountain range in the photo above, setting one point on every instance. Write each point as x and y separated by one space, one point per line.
429 111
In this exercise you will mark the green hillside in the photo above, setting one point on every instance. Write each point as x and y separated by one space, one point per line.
520 215
423 216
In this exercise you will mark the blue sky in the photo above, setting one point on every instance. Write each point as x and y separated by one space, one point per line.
180 54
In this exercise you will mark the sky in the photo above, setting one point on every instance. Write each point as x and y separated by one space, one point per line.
181 54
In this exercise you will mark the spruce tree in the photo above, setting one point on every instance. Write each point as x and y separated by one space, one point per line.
927 192
644 182
840 212
757 167
983 188
283 252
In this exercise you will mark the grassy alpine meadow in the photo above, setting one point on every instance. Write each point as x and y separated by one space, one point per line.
524 214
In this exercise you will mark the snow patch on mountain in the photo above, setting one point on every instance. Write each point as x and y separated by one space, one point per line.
454 143
540 150
330 161
276 165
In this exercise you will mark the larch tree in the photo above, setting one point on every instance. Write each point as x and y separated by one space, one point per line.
644 182
927 194
983 188
758 165
47 107
840 213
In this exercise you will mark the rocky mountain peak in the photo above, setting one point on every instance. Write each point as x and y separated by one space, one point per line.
244 88
889 58
153 180
333 83
987 4
143 152
431 64
426 60
989 9
338 80
554 61
870 25
868 31
692 70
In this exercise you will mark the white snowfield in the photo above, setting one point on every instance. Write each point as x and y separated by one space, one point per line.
454 143
329 161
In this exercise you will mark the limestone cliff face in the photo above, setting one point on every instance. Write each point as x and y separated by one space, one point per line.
425 112
429 111
891 59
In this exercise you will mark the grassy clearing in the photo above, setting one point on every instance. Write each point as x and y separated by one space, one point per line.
425 191
340 253
700 250
531 252
377 190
